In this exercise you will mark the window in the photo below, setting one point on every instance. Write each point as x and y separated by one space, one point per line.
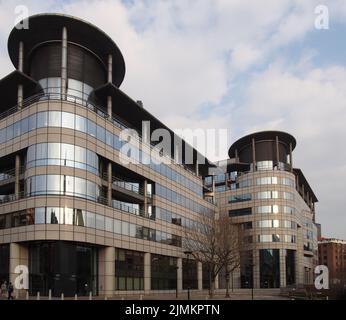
240 212
267 209
267 180
239 198
288 196
268 224
40 215
268 195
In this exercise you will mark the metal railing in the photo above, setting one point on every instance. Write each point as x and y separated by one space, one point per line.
10 174
11 197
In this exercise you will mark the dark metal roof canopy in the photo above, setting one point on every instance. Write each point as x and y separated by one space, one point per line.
261 136
48 27
126 108
302 181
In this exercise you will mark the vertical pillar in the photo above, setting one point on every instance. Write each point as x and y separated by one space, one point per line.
145 184
64 63
217 282
180 274
199 275
277 151
197 168
291 158
282 268
106 269
17 175
147 272
253 154
109 175
19 255
110 80
236 155
20 68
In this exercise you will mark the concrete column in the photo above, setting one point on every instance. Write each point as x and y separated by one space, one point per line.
20 68
217 282
199 275
282 268
20 96
19 255
253 154
109 107
64 62
277 150
291 157
110 68
147 272
110 80
109 193
145 183
17 175
21 57
197 168
107 271
180 274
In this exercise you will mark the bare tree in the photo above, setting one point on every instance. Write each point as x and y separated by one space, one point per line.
214 241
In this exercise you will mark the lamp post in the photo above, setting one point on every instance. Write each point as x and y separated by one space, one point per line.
188 253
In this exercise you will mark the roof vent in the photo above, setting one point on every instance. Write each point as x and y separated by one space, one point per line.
140 103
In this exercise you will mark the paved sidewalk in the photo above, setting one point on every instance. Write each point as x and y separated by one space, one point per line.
238 294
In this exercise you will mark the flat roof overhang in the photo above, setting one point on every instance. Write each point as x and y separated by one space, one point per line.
9 89
126 108
302 180
48 27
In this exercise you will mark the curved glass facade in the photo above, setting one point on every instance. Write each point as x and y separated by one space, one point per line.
76 122
76 90
62 154
62 185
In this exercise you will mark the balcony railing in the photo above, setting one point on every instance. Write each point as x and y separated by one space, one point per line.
11 197
10 174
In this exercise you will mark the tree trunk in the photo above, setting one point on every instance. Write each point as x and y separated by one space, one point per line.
212 287
227 286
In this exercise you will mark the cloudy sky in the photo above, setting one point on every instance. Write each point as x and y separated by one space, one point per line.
236 64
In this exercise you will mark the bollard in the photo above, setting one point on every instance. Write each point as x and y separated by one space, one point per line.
140 297
76 297
38 295
49 294
106 298
206 297
27 295
62 296
122 298
90 295
17 294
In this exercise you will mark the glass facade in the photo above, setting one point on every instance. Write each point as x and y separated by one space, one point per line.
163 272
62 154
62 185
269 268
48 268
76 122
290 260
190 279
129 270
4 262
246 269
